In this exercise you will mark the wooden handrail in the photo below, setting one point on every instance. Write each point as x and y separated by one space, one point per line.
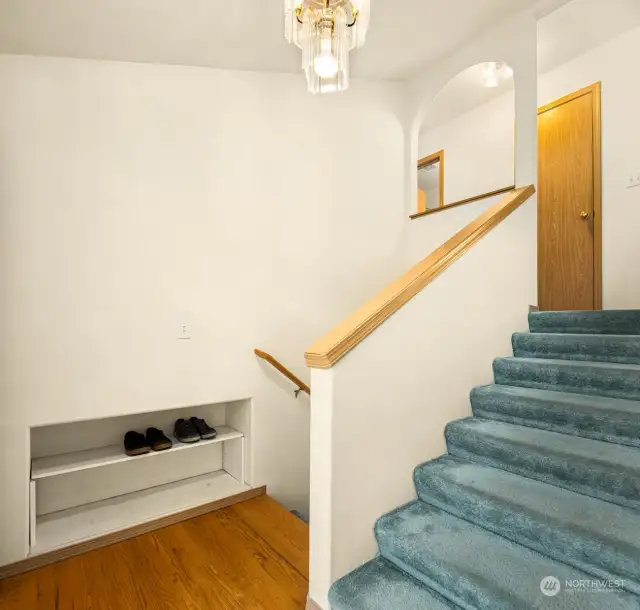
325 352
285 371
455 204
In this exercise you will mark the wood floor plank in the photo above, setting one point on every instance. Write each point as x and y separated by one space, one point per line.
252 558
281 529
71 583
262 578
192 562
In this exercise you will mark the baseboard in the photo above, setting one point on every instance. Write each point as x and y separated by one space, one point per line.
40 561
533 308
311 605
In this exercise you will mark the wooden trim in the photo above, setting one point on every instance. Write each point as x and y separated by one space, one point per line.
596 91
424 162
422 200
285 371
40 561
506 189
311 605
569 98
343 338
429 159
597 195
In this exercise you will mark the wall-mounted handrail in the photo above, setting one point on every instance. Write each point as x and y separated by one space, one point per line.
302 386
325 352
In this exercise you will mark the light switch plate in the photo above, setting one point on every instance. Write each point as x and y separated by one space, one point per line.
184 329
634 180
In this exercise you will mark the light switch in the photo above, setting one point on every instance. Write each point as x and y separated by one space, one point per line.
184 330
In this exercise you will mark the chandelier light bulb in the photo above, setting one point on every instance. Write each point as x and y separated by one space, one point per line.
325 64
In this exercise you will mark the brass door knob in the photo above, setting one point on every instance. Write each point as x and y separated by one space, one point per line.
584 215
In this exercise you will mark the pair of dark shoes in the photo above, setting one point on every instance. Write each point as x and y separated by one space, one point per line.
192 430
136 443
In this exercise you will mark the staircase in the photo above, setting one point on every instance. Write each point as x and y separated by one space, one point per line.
543 481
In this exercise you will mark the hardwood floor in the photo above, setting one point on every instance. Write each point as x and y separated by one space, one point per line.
251 556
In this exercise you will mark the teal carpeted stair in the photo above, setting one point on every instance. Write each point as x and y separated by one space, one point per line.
604 419
543 480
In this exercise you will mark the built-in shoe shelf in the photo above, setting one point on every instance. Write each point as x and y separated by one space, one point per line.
84 486
76 461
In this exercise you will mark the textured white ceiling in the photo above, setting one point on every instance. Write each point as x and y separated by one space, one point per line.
238 34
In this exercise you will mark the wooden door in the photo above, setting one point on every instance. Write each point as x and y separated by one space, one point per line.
569 203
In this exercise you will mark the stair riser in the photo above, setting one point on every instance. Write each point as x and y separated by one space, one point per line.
612 427
624 350
612 382
591 322
436 575
583 550
603 481
377 585
431 580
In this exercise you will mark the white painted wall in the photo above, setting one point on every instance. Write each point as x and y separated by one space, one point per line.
132 196
479 148
422 239
382 409
616 65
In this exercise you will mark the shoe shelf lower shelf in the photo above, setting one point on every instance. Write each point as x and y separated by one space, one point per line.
67 463
83 523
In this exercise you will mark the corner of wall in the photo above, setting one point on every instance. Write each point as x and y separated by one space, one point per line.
15 464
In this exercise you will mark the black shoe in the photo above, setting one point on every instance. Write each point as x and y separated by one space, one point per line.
157 440
186 432
205 431
135 443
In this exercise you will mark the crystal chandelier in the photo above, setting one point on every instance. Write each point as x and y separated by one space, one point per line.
326 31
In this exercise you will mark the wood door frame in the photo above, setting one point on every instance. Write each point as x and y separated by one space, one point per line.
430 160
596 91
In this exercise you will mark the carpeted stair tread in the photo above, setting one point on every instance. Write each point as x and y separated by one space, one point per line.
477 569
607 471
596 378
612 322
597 348
614 420
378 585
597 537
